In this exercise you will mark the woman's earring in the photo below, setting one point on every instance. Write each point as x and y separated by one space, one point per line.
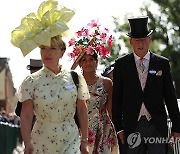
96 67
81 69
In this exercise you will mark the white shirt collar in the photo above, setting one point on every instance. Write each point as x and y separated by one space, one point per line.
147 56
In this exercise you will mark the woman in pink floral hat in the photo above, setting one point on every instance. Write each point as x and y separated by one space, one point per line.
91 42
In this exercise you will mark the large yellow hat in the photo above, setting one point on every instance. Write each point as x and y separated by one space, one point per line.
38 29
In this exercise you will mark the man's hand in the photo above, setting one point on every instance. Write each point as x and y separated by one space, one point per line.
175 137
121 136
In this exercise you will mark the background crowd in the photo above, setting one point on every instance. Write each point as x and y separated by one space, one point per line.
10 118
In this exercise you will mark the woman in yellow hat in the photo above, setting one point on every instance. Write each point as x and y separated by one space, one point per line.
50 93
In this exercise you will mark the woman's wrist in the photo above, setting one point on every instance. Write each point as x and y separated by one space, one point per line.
27 144
84 139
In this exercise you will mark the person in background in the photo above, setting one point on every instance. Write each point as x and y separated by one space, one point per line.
3 116
142 87
102 138
14 119
35 65
108 72
50 93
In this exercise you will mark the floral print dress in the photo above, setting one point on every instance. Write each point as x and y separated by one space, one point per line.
54 97
102 138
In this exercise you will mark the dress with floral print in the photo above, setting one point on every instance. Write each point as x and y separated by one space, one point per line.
54 97
102 138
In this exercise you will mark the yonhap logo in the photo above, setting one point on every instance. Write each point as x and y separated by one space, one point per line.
134 140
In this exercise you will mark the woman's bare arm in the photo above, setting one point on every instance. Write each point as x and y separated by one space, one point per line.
26 118
83 122
108 88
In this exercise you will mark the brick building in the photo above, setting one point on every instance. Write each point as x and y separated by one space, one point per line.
7 90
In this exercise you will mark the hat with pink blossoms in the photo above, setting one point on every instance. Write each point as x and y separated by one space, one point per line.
90 39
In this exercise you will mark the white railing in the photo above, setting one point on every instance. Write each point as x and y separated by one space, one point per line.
176 146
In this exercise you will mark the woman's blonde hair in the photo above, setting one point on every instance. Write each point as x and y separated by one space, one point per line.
60 42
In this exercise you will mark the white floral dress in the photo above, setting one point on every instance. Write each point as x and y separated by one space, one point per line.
54 97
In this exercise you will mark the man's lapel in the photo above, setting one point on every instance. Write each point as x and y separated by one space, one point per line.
151 68
133 72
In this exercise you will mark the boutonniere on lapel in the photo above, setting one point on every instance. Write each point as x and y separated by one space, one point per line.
152 71
159 73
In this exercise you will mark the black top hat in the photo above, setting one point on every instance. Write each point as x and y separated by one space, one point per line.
108 70
34 64
139 27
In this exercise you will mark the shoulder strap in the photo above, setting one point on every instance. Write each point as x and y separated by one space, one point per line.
76 82
75 78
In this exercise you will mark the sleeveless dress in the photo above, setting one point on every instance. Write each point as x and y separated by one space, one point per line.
102 138
54 97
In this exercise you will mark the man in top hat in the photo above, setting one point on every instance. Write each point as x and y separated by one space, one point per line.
35 65
142 87
108 71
